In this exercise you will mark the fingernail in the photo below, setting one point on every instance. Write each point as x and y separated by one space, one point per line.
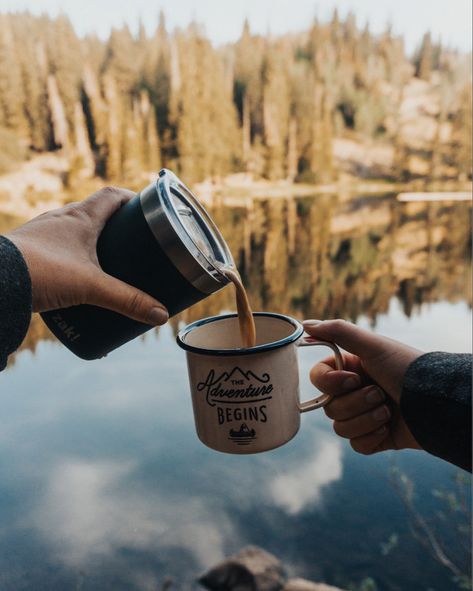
311 323
382 429
374 395
380 414
158 316
351 383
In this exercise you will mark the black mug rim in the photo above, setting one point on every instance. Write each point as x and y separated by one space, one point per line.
294 336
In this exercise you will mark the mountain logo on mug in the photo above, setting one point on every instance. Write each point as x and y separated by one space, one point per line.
236 387
243 436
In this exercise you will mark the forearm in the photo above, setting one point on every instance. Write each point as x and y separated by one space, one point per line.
15 299
436 405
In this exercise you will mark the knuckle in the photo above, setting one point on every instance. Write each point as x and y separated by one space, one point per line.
76 210
135 303
342 409
72 204
339 323
108 190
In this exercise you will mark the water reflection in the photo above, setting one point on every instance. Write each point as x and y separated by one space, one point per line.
104 483
300 486
88 510
320 257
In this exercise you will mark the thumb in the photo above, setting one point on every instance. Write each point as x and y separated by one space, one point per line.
350 337
113 294
384 360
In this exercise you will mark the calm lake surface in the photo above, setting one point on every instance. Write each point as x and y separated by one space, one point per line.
105 485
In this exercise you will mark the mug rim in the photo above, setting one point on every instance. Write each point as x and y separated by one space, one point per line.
294 336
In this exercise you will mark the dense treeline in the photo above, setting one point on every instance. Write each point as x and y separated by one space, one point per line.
268 105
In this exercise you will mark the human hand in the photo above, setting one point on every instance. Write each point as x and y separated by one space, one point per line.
366 394
59 248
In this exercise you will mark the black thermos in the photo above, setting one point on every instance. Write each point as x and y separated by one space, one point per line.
162 242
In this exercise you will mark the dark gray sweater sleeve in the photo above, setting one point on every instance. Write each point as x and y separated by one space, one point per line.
436 405
15 299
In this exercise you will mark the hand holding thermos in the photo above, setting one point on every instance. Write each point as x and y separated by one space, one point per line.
59 248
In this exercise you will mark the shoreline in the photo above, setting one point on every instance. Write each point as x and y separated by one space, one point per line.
234 194
38 185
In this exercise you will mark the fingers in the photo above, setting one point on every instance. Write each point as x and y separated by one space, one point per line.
357 340
362 417
111 293
327 378
355 403
351 363
363 424
384 360
333 382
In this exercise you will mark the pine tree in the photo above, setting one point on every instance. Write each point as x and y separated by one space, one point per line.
276 111
424 59
132 144
263 104
120 60
248 96
65 65
11 87
207 136
33 69
60 127
151 148
462 134
113 141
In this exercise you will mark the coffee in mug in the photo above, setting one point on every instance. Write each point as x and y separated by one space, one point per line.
247 400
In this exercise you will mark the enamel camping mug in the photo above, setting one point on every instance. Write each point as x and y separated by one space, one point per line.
247 400
162 242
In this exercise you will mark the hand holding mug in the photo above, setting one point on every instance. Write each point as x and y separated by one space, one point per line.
366 394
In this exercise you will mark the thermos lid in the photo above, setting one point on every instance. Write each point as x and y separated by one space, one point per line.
186 232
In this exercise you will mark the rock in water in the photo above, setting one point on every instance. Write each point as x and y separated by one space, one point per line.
252 569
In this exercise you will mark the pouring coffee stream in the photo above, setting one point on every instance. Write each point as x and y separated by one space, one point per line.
245 313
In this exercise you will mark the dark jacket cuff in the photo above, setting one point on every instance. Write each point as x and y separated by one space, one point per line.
436 405
15 299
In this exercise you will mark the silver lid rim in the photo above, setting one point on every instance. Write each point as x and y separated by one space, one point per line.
165 224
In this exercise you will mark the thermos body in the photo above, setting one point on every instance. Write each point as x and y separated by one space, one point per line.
162 242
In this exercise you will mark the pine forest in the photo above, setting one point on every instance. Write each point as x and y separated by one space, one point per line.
277 107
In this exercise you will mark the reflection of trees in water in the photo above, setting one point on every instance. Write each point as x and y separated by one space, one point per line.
322 258
316 257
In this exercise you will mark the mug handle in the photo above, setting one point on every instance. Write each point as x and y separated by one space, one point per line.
324 399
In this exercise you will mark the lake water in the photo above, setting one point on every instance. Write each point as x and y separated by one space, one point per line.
105 485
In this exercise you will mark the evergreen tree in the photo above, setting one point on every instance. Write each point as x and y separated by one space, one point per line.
120 60
32 60
65 64
268 105
276 111
462 134
207 136
11 87
424 59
